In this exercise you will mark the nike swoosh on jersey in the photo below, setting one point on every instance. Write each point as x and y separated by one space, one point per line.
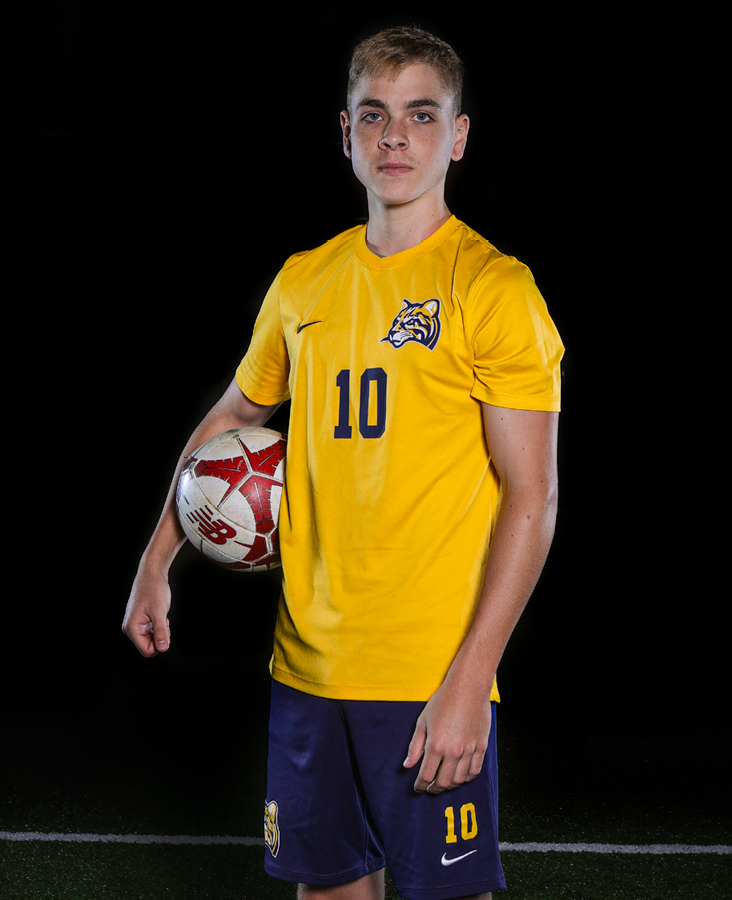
307 324
451 862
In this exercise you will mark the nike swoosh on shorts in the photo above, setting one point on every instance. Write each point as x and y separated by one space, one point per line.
451 862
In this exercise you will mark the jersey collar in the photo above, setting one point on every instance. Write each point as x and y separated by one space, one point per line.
370 259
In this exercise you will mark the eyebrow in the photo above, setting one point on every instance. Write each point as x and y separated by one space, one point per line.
413 104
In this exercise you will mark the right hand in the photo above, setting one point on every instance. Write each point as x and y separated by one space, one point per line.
146 621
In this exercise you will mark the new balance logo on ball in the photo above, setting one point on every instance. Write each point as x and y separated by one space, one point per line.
214 530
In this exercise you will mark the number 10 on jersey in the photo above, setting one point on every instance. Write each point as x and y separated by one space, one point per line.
371 380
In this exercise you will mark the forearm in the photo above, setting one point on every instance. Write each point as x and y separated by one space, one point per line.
518 551
452 731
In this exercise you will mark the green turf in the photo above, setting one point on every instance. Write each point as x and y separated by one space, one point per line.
48 871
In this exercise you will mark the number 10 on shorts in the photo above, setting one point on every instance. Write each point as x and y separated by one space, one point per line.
468 823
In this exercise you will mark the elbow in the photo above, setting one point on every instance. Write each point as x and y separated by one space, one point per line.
535 502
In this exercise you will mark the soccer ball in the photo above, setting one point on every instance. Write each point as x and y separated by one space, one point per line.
229 495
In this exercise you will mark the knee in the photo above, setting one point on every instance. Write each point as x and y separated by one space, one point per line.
370 887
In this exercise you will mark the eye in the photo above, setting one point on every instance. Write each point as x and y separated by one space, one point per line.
371 117
422 117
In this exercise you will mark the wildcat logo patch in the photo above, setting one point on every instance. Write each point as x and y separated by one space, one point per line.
271 827
418 322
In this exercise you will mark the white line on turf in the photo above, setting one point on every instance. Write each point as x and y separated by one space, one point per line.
649 849
526 847
127 838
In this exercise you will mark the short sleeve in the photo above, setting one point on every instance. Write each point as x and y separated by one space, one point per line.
517 348
263 373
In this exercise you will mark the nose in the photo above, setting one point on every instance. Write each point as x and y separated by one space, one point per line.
392 137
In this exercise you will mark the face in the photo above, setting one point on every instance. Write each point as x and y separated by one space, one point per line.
401 136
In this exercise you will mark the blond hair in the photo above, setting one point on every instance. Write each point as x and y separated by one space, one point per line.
392 50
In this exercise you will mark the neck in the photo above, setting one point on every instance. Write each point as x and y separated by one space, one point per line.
394 229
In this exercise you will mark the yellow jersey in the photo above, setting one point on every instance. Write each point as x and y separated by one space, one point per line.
390 496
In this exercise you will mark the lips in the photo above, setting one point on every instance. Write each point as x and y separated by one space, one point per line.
395 168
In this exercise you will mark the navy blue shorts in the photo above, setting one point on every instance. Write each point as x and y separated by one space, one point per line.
340 805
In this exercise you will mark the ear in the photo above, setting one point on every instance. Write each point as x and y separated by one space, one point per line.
462 126
346 128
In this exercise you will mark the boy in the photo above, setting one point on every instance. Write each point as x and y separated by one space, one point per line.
423 370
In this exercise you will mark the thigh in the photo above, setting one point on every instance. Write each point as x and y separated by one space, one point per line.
316 826
436 846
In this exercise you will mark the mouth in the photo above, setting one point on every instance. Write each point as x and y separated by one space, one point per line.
395 168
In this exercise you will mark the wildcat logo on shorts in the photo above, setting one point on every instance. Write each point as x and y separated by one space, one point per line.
419 322
271 827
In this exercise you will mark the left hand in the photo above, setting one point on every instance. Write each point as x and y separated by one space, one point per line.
452 737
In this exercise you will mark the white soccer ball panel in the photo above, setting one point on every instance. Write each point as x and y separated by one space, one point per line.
235 507
276 502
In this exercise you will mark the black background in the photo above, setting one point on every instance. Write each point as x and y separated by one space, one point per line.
162 162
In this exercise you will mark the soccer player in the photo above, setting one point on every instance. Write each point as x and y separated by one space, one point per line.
418 509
